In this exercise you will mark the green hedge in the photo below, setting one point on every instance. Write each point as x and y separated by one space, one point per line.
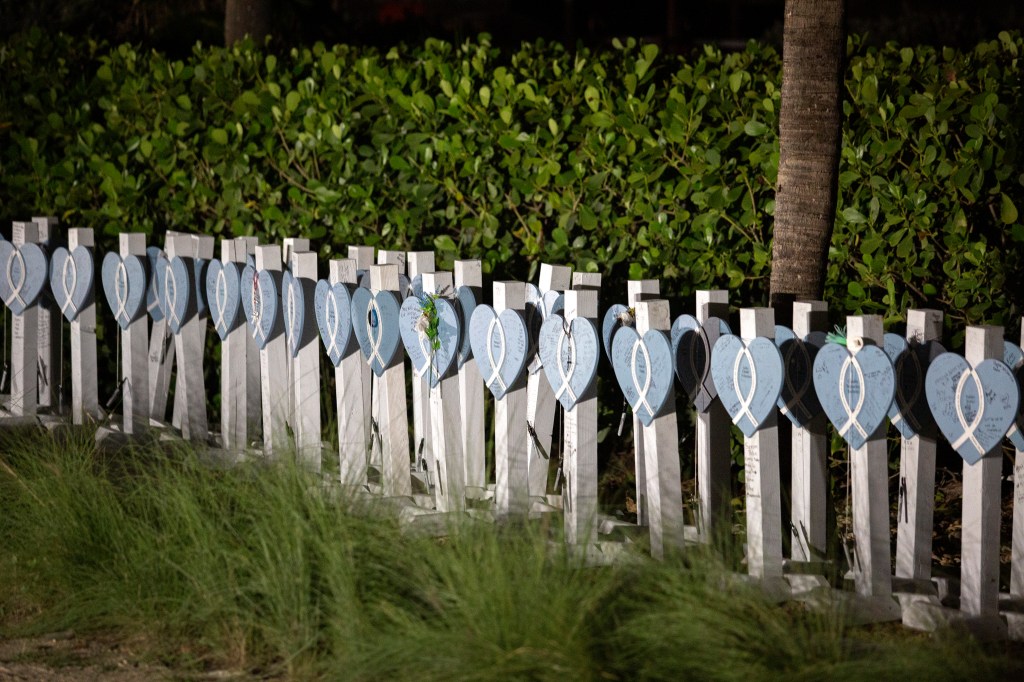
622 161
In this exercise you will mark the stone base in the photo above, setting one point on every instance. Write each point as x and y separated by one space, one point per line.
928 616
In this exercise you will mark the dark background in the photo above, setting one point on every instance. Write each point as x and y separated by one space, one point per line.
677 25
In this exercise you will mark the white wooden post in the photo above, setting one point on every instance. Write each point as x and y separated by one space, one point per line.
273 365
511 475
870 481
390 408
234 417
661 452
420 262
917 473
24 336
189 382
445 420
761 471
245 247
290 245
810 456
1017 550
979 552
468 273
636 291
351 390
49 322
541 405
85 400
397 259
306 367
714 453
579 501
135 398
363 256
161 353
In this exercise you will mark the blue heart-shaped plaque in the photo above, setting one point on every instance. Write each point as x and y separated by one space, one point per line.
223 295
22 275
539 307
854 390
798 401
332 304
375 324
643 368
690 367
124 284
293 308
1013 356
610 324
201 267
570 352
909 411
432 364
466 298
973 408
260 303
176 291
415 287
500 346
71 278
153 256
748 376
691 353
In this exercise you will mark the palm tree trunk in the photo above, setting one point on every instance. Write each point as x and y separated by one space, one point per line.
810 129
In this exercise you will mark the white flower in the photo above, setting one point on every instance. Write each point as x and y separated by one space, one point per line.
422 324
626 318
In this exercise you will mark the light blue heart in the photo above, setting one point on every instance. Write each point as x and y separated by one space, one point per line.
609 325
691 355
798 401
466 298
332 304
375 324
500 346
909 411
643 369
293 311
224 295
854 390
71 279
570 353
261 302
124 285
748 377
22 275
974 422
1013 356
430 364
153 256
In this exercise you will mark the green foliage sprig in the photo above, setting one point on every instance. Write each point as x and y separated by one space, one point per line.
427 324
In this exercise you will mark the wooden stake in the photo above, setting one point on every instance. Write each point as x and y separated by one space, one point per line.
661 452
541 405
49 321
636 291
917 474
135 398
810 457
446 420
245 247
306 367
420 262
870 481
1017 551
85 402
352 394
714 454
234 403
761 471
979 552
579 499
471 389
273 365
390 408
512 483
189 381
24 339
